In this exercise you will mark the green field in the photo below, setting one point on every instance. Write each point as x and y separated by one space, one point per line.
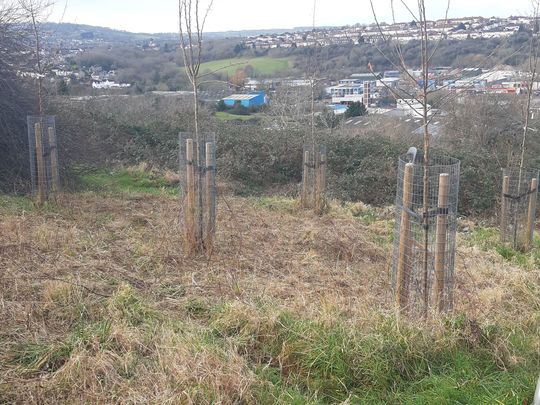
263 65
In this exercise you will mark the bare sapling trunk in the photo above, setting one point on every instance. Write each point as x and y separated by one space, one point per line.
210 195
35 10
191 27
312 71
533 67
40 169
38 64
199 188
425 122
312 187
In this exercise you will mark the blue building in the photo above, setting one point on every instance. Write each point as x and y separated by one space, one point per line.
252 99
339 109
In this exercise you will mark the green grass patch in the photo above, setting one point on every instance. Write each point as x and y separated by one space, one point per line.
16 203
50 356
125 181
225 116
296 360
13 202
127 305
124 305
368 216
41 356
279 390
275 203
304 361
262 66
488 239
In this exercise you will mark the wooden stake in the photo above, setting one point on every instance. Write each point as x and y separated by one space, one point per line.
321 183
210 196
55 175
40 175
191 235
305 180
403 270
504 207
531 215
440 241
323 174
317 181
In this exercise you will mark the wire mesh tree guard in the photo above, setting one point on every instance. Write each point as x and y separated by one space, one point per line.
314 178
413 286
198 191
44 168
518 207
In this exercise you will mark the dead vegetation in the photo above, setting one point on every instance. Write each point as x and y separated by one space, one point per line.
99 305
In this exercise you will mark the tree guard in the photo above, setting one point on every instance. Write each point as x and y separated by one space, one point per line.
313 193
408 277
43 151
198 191
518 207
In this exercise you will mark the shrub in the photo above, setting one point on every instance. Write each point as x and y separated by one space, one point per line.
260 158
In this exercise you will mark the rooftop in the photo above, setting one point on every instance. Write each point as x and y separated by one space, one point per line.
241 96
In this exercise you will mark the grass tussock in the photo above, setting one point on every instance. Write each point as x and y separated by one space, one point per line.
389 362
98 304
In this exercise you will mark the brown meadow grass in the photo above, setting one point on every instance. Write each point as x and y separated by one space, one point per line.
99 304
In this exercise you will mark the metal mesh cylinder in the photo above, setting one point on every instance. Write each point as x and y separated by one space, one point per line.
518 206
314 177
423 269
198 189
44 167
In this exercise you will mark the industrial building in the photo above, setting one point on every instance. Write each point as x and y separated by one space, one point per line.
252 99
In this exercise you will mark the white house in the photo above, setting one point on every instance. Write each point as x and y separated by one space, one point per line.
106 84
347 93
411 107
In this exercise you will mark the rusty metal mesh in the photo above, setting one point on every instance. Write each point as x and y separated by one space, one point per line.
518 207
415 286
43 151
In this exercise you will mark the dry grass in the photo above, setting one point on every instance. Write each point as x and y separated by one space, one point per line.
98 303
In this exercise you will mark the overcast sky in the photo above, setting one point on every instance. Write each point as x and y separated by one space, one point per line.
161 15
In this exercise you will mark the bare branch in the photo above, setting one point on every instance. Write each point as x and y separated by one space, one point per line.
533 64
436 48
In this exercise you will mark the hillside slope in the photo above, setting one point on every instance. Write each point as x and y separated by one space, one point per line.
99 305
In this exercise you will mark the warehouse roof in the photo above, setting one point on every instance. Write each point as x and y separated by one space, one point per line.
241 96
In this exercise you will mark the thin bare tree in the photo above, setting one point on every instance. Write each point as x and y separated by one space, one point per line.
14 99
191 25
312 74
425 123
419 104
534 45
35 12
314 175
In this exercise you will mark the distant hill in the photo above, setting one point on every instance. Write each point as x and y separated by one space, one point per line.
81 32
89 33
